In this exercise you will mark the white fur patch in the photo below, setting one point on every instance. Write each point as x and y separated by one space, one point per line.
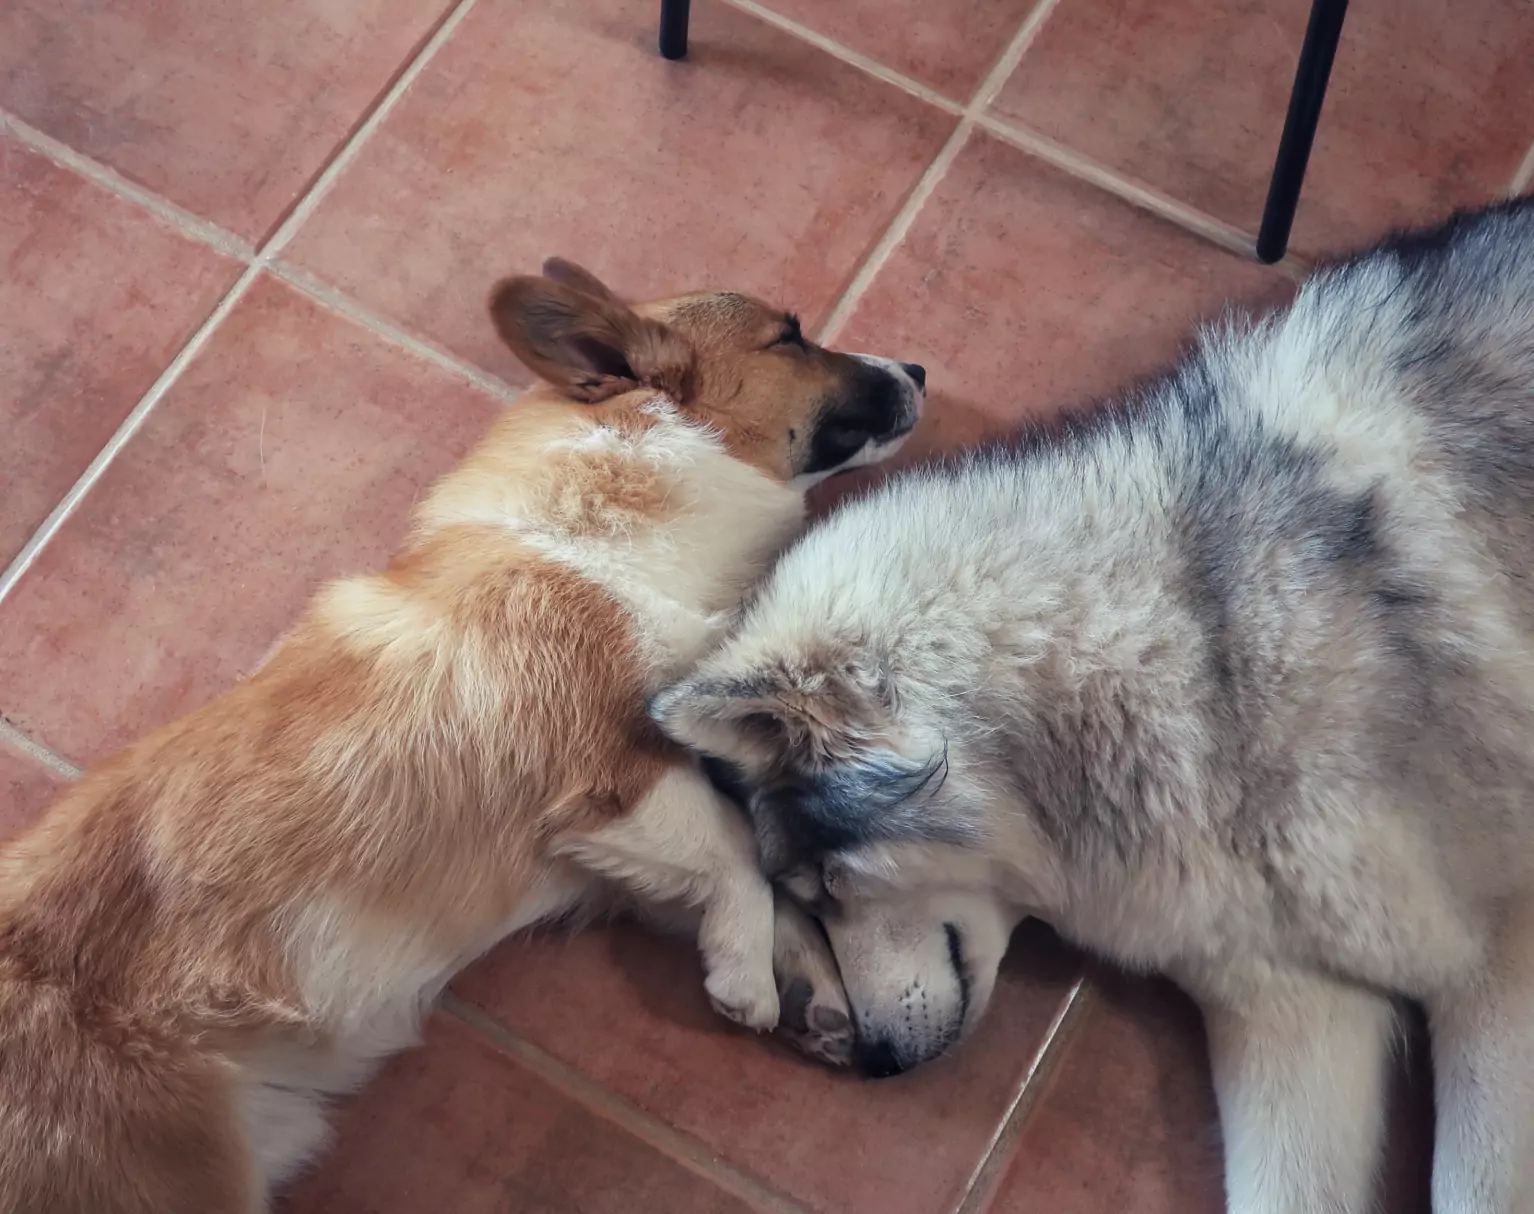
371 984
679 577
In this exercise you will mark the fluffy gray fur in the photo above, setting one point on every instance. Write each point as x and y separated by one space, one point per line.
1232 680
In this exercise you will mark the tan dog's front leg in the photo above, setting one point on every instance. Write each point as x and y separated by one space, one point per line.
685 843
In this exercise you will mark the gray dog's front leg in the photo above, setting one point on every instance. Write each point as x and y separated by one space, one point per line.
1483 1066
1300 1064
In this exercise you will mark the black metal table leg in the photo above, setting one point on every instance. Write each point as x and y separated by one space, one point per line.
1310 79
673 28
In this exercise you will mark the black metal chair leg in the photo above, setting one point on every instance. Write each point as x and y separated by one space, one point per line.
1310 79
674 15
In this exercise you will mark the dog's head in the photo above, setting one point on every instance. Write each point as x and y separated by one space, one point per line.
778 401
856 783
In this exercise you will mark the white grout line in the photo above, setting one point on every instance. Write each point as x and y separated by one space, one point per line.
114 182
849 56
1227 236
36 750
683 1148
893 235
1042 1057
263 256
337 301
1164 206
124 432
1002 71
349 150
842 311
1524 177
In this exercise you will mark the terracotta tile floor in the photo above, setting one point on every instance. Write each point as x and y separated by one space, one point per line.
241 326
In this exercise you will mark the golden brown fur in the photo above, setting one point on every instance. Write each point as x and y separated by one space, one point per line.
237 916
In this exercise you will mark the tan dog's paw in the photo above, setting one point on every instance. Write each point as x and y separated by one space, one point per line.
745 996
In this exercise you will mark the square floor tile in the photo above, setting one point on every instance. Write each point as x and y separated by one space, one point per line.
947 44
1431 104
1023 290
457 1126
1128 1121
229 110
96 298
551 126
628 1010
290 451
26 789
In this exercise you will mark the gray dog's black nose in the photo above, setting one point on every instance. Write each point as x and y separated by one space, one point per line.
917 372
878 1060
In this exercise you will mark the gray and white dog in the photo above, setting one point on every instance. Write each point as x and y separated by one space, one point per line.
1233 681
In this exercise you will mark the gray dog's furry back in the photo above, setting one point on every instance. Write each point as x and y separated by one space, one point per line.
1319 533
1233 679
1292 571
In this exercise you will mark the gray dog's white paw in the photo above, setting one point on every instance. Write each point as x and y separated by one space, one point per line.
816 1018
815 1025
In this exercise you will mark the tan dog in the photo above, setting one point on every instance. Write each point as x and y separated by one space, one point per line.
241 914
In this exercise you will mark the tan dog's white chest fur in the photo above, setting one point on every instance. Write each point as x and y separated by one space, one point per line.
240 915
709 524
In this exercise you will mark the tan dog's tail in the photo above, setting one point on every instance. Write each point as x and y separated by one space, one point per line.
101 1117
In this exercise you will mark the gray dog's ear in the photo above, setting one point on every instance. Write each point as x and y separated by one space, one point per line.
825 711
716 715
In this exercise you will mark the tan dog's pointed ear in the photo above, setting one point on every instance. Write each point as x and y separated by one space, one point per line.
591 348
578 279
